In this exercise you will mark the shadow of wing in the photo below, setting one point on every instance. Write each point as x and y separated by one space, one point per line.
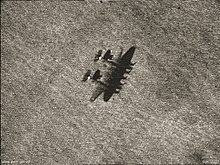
114 84
127 57
108 94
118 74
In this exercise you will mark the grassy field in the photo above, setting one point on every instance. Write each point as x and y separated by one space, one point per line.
168 112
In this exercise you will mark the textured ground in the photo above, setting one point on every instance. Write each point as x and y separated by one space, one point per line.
168 112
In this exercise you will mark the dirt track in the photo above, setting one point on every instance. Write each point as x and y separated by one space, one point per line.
168 112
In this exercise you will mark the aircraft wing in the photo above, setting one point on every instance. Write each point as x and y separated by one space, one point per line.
127 57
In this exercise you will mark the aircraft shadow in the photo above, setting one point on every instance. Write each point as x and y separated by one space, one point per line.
117 74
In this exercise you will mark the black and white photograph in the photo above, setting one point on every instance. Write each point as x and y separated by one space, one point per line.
110 82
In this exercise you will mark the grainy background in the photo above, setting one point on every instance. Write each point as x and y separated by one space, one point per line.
168 112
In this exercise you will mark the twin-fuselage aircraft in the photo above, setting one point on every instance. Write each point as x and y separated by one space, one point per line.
109 80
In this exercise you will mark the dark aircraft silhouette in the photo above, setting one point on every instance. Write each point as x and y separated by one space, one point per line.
110 82
98 55
106 57
95 77
86 75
